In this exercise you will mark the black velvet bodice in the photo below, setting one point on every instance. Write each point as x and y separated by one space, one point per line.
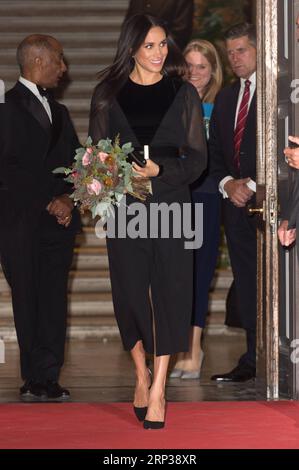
148 108
164 115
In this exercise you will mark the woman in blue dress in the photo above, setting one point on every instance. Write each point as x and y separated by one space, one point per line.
205 73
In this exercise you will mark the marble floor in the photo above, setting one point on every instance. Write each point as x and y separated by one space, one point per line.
100 371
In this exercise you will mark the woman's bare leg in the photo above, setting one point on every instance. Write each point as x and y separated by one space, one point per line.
143 380
156 404
193 358
180 361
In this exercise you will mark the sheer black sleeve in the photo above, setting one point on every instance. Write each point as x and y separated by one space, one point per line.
193 161
98 120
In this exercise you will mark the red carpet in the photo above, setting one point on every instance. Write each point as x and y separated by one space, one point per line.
203 425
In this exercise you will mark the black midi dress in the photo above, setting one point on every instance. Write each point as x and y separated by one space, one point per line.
152 276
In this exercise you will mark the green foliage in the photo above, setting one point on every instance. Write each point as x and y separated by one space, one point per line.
101 175
214 17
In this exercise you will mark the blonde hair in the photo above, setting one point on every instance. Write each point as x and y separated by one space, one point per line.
209 52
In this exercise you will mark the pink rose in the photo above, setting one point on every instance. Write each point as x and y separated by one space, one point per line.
94 187
102 156
87 157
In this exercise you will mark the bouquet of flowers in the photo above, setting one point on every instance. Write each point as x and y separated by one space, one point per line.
101 175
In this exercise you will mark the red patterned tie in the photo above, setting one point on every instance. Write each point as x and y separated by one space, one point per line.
241 122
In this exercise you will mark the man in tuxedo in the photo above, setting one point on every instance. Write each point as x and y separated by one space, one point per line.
38 222
233 164
177 14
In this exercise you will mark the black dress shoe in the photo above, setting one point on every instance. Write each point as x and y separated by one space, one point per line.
33 391
55 392
238 374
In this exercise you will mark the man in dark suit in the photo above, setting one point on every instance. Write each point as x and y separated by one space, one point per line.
178 15
38 222
287 230
233 164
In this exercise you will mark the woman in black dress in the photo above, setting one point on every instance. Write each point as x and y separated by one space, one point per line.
143 98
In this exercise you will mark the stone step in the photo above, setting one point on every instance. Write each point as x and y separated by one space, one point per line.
56 24
80 332
78 90
82 123
79 106
90 270
90 250
104 331
87 39
83 304
73 90
99 281
62 8
222 279
104 326
88 238
88 243
76 72
88 31
89 281
82 130
98 304
74 56
90 261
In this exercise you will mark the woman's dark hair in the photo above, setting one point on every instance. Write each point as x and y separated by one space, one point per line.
132 36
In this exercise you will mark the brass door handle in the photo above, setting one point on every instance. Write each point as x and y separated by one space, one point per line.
255 210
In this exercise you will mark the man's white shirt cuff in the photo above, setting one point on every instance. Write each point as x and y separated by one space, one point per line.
251 185
221 186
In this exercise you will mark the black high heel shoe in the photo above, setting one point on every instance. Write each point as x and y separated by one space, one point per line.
147 424
140 411
153 424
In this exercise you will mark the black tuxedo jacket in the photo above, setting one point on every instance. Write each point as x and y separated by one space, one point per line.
221 141
178 15
30 148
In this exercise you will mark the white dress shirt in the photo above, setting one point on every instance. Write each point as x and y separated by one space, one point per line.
251 184
33 88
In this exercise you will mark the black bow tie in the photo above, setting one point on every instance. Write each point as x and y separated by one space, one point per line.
44 92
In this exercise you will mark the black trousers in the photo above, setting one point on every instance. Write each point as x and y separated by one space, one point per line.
162 268
36 256
240 231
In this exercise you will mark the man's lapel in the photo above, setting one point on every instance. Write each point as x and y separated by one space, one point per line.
229 115
32 104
